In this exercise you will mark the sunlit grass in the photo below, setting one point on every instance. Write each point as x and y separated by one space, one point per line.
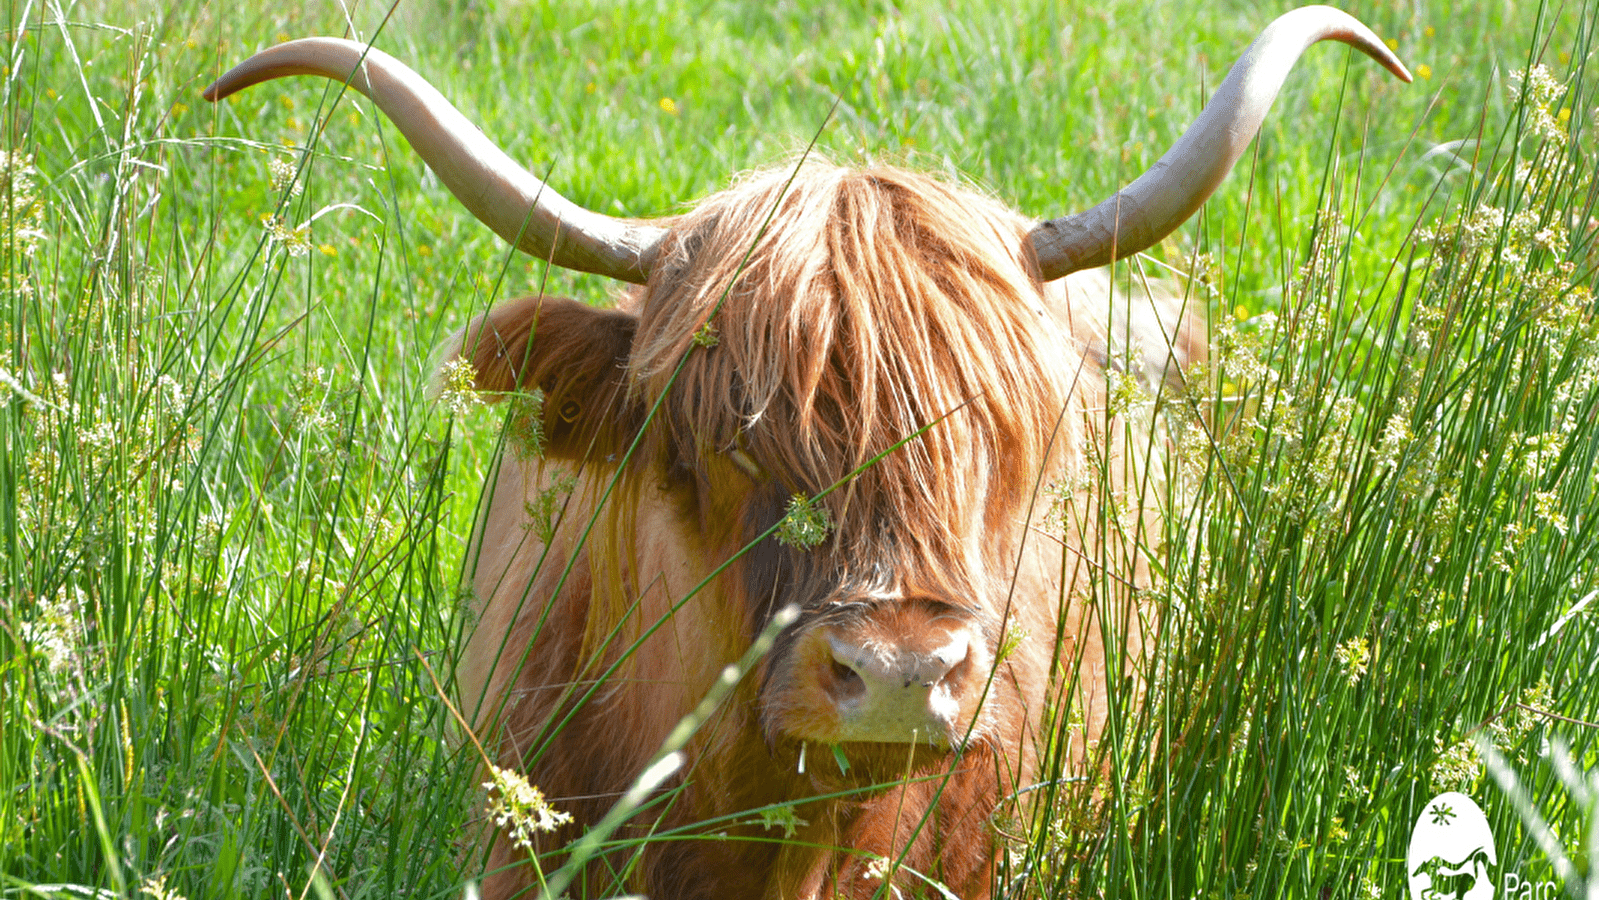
232 525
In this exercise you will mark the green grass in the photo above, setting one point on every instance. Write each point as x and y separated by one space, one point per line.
232 524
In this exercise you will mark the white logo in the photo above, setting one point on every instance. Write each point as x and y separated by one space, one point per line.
1451 851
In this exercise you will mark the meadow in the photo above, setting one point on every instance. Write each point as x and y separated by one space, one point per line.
232 522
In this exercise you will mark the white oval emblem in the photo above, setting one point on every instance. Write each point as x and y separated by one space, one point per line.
1451 851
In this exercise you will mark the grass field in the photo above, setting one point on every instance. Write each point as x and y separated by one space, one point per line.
232 525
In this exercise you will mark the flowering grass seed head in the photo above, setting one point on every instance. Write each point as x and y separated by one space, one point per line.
1542 92
783 817
1353 657
457 381
805 524
157 887
520 808
525 424
56 633
544 510
1456 766
877 869
1396 436
20 221
296 241
1547 506
309 390
283 174
1127 394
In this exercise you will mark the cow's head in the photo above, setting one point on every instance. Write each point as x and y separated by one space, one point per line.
879 340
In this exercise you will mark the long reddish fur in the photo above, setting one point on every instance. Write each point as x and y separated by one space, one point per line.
872 304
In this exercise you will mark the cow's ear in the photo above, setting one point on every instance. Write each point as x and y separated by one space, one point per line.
575 354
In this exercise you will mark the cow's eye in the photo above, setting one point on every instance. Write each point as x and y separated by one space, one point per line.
937 606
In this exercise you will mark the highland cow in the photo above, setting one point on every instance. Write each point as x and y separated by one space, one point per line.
833 391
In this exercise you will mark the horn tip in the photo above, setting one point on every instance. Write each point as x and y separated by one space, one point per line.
1387 56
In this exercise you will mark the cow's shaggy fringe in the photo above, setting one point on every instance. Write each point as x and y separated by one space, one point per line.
904 302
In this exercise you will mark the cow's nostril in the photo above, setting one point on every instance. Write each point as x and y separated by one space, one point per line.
847 682
957 672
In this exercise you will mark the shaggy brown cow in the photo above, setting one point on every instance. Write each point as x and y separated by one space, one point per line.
908 351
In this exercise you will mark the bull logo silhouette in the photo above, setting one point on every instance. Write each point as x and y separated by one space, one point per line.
1452 853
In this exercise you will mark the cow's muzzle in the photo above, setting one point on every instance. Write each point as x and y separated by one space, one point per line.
903 673
899 692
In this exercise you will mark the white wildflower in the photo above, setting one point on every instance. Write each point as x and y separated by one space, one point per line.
1396 435
1562 306
457 380
521 808
1520 716
1239 355
805 524
1551 239
171 391
1457 765
877 869
1543 451
1354 787
97 441
1541 90
210 525
56 634
56 397
283 172
1482 229
1547 506
310 413
1424 321
1194 448
1126 393
1513 536
22 212
1353 657
157 888
296 241
42 464
1581 384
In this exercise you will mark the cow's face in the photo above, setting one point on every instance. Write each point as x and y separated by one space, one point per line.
883 344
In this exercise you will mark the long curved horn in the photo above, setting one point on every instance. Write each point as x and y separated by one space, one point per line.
506 197
1164 197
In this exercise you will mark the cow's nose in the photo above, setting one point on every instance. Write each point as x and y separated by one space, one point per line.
899 693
